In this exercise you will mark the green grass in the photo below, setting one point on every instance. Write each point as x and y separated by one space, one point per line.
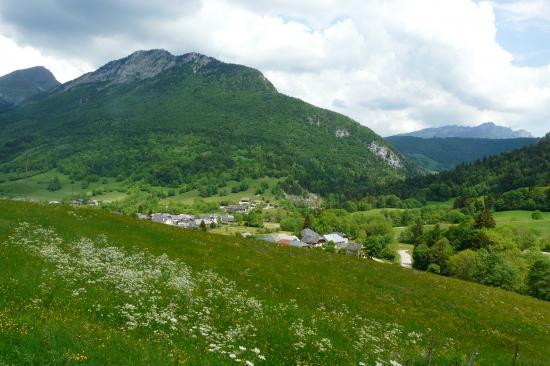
35 188
442 204
522 219
305 296
238 229
189 197
518 215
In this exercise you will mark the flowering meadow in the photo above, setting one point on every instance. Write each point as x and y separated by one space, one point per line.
85 287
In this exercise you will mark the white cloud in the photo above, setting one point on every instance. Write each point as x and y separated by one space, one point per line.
394 65
17 57
524 10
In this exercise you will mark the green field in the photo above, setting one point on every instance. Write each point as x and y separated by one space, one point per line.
188 197
523 219
35 188
97 288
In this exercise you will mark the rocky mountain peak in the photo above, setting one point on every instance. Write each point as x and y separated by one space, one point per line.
139 65
487 130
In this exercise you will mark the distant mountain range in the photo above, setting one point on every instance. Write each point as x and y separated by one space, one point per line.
487 130
437 154
527 169
191 122
20 85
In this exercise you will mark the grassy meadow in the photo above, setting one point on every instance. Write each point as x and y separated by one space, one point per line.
523 219
81 286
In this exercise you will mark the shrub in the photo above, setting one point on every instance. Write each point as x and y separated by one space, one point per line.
434 268
55 184
537 215
463 264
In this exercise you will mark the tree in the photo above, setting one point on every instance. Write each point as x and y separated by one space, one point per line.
417 230
434 235
212 225
484 220
538 279
463 264
54 184
379 246
254 218
202 225
494 270
421 257
308 222
440 253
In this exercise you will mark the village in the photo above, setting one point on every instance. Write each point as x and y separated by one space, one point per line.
335 241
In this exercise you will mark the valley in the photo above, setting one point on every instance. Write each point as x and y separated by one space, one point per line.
179 210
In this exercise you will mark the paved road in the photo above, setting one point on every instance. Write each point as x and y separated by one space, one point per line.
406 259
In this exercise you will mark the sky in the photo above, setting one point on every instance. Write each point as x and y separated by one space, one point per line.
393 65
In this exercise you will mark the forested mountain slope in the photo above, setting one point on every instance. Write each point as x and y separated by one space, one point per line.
524 168
191 121
437 154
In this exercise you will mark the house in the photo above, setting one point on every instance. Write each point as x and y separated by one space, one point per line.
342 246
246 235
294 243
182 217
355 250
245 200
142 216
310 237
187 224
93 203
162 218
207 221
237 208
226 219
336 238
278 238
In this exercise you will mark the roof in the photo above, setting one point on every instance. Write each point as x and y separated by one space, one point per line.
311 237
292 243
276 238
354 247
335 238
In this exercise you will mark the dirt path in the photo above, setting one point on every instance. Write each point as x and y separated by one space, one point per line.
406 259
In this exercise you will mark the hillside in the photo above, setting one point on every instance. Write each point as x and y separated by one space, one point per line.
154 118
82 285
19 85
524 168
438 154
487 130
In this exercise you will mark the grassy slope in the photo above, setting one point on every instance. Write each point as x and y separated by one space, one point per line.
36 188
469 314
523 219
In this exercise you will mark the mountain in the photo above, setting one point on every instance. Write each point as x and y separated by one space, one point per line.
191 122
19 85
436 154
522 169
486 130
